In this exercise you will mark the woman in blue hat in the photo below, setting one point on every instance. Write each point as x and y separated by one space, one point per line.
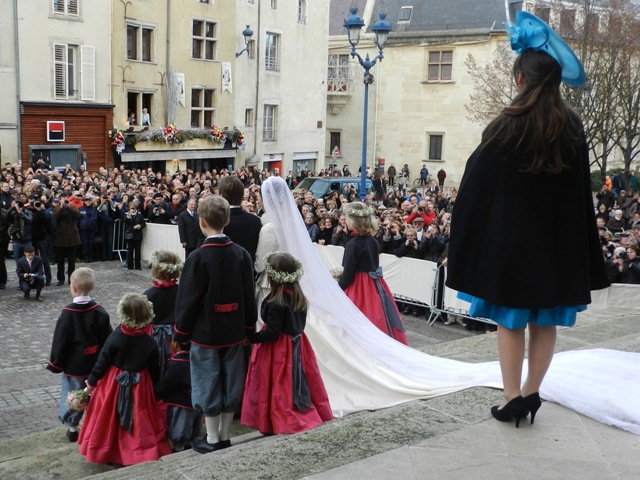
533 158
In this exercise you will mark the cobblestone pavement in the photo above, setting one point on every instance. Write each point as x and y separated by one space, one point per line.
29 394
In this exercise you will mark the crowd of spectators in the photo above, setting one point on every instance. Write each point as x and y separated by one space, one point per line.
412 223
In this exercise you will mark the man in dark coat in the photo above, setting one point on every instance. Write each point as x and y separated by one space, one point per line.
244 228
391 175
191 236
67 237
30 273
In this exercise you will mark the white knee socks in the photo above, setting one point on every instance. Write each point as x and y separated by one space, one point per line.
213 427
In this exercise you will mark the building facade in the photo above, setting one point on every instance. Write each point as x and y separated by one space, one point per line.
64 75
9 113
417 112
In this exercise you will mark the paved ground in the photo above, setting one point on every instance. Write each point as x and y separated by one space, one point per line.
449 437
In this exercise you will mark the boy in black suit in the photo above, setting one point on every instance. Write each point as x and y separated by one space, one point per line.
30 270
214 310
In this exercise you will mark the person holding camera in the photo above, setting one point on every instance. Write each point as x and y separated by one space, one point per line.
159 211
30 272
40 230
134 223
67 237
392 236
628 263
20 220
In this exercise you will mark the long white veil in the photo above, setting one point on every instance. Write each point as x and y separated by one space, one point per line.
364 369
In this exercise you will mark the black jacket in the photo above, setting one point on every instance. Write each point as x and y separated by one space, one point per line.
175 385
80 333
244 230
189 229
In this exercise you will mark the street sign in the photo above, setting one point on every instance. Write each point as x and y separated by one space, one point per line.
335 153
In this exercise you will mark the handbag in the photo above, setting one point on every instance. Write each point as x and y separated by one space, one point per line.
128 236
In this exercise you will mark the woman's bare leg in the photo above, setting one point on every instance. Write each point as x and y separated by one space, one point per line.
511 353
542 343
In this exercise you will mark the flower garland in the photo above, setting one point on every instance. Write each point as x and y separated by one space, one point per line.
118 142
351 210
165 266
218 135
78 400
279 276
126 319
171 134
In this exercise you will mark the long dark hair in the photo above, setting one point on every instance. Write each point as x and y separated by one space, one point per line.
538 121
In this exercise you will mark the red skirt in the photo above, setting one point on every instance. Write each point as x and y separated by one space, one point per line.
268 397
103 440
364 294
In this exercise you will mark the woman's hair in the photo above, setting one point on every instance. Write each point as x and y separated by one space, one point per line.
538 121
165 265
284 264
361 218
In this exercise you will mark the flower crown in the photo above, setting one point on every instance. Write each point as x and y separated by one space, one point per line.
126 319
165 267
350 210
279 276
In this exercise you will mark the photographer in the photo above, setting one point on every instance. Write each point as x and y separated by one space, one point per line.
628 263
433 243
392 236
159 211
67 237
30 273
20 221
40 230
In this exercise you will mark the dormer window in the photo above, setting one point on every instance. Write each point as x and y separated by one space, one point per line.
405 14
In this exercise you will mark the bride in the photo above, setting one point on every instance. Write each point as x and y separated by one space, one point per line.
364 369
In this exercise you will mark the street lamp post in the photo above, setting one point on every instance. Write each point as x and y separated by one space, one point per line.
381 28
247 34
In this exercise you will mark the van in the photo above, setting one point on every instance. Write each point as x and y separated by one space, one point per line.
321 186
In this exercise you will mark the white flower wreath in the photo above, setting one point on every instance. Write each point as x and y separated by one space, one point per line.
350 210
279 276
165 267
126 319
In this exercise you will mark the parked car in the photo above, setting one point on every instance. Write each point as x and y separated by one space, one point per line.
321 186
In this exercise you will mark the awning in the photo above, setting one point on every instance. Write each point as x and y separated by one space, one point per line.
164 155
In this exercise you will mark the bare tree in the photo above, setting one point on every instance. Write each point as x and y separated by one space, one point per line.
492 84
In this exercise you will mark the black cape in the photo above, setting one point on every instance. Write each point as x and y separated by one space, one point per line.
525 240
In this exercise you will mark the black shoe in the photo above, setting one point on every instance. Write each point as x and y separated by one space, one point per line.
202 446
2 286
533 402
48 283
38 298
72 436
27 296
59 284
515 408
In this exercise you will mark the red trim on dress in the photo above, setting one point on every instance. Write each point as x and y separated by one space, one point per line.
164 284
79 310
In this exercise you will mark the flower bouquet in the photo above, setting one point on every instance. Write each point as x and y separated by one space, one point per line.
118 142
78 400
336 273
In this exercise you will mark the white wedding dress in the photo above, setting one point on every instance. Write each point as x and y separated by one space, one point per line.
364 369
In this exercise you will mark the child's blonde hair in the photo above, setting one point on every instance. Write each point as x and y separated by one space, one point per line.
135 310
215 211
165 265
361 218
83 279
284 273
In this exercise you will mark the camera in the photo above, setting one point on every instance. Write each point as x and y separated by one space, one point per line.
19 204
37 204
623 255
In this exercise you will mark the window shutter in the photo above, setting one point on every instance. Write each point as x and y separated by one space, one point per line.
58 6
87 72
72 7
60 90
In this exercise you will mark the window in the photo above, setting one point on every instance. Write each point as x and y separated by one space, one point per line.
274 4
405 14
439 65
137 103
203 107
338 74
248 117
65 7
567 22
271 52
203 1
270 123
302 12
140 42
435 147
73 72
204 41
334 141
593 22
543 13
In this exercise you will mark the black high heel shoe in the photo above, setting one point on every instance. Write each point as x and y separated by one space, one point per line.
533 403
515 408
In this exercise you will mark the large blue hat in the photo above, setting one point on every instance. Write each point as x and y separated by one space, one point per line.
530 32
